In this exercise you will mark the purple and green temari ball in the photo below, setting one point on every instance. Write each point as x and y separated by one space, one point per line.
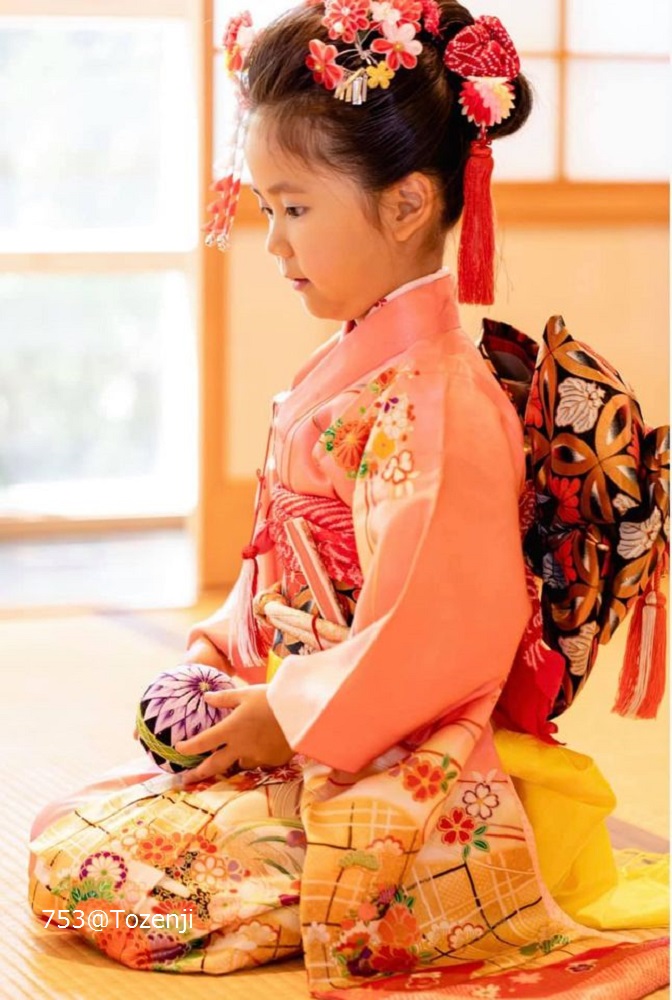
173 709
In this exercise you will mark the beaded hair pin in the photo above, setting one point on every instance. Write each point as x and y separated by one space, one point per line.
238 38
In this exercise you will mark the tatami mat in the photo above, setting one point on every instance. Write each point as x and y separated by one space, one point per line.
71 682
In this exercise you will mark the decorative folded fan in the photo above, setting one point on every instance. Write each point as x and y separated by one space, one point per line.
594 521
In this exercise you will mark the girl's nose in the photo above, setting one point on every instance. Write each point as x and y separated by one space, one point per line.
276 244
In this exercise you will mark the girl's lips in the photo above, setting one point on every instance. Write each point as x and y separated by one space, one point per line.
299 283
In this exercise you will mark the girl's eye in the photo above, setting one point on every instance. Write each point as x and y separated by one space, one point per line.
293 211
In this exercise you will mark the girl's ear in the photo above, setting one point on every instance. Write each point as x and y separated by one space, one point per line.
408 206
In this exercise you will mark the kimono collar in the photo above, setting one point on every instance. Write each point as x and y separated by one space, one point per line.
415 283
425 309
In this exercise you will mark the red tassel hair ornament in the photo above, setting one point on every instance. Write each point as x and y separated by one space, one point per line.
484 55
476 256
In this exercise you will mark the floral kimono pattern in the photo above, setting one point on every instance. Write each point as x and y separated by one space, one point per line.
397 850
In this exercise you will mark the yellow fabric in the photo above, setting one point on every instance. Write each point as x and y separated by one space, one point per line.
272 665
567 800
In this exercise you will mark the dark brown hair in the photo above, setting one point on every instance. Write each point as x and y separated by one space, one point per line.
414 125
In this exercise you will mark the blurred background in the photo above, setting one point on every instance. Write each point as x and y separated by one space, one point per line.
136 369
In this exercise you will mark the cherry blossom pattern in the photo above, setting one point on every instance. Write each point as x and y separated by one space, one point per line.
423 777
480 801
395 25
385 13
489 992
397 417
457 828
399 472
400 46
411 12
322 63
344 18
526 978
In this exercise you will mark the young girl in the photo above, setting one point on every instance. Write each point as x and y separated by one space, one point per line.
359 805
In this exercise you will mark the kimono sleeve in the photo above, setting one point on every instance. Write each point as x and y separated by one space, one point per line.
444 603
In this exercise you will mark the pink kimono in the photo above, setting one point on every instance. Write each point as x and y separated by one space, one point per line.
394 850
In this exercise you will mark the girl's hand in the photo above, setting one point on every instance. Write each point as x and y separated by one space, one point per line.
204 651
250 734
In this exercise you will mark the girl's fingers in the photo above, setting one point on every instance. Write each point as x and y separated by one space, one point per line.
223 699
216 763
209 739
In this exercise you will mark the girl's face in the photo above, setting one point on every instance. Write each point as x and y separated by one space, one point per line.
319 233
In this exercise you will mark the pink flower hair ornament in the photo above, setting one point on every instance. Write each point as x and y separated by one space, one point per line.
372 29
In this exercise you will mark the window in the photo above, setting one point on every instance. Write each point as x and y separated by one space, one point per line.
99 234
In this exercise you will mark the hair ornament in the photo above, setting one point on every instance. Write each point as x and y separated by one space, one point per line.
382 39
484 56
239 35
